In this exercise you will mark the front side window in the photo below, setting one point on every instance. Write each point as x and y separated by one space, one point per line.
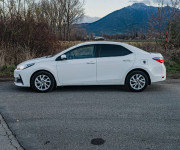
81 52
106 50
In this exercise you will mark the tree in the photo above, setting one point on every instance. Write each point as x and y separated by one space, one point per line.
161 22
33 27
61 15
174 29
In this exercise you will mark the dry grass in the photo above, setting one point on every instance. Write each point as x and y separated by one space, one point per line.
12 55
62 45
169 54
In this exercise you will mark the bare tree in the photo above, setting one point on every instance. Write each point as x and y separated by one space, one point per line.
61 15
73 13
161 21
35 26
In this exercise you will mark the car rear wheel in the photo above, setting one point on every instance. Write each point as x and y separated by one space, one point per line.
137 81
42 82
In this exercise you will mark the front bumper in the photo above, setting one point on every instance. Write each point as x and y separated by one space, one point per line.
18 80
22 78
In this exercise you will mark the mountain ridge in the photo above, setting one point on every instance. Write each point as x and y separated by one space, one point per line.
123 20
88 19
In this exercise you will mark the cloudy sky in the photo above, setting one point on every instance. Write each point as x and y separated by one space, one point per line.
100 8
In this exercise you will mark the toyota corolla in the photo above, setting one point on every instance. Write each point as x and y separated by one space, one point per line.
93 63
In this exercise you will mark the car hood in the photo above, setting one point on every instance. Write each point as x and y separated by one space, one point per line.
36 60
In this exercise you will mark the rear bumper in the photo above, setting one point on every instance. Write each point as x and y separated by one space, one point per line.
158 78
158 73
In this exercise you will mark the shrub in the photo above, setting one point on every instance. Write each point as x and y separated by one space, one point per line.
21 40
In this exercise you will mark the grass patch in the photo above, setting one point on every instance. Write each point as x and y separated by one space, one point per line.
7 70
173 69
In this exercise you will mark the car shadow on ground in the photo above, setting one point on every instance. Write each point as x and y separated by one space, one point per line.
105 88
99 88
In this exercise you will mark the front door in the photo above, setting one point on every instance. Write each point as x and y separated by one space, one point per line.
79 68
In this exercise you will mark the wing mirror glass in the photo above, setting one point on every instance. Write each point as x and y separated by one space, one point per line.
63 57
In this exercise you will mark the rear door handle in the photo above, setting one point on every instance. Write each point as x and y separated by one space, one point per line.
90 63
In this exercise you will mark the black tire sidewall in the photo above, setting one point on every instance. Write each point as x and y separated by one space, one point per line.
129 77
42 73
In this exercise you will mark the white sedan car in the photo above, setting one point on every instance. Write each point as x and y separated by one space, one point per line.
93 63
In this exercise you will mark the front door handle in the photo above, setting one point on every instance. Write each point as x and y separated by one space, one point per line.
127 60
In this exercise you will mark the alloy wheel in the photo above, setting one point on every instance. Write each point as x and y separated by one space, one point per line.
42 82
137 82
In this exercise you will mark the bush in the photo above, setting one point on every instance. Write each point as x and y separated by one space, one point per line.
172 67
7 70
21 40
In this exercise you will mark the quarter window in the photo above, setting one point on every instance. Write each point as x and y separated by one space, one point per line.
107 50
81 52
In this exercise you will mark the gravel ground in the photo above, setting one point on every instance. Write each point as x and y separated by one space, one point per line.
7 139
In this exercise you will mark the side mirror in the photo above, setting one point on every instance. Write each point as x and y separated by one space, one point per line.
63 57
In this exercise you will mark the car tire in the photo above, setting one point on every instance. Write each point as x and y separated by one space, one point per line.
42 82
137 81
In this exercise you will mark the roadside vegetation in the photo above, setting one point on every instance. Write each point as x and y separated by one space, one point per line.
7 71
172 65
31 28
173 69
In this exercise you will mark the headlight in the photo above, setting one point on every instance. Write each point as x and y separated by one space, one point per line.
22 67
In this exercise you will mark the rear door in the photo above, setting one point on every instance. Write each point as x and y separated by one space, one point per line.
113 62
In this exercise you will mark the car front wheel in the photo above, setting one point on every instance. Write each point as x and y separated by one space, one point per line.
42 82
137 81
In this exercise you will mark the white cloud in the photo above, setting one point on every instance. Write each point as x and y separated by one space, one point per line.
150 2
147 2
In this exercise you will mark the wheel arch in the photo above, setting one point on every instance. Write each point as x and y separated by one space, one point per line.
45 71
139 69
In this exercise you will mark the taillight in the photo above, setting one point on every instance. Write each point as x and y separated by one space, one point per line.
159 59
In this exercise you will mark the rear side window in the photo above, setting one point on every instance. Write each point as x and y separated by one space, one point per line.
106 50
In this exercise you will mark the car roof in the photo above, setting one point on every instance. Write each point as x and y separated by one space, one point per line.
101 42
130 47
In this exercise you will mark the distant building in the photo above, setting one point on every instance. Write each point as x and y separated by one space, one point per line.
98 38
